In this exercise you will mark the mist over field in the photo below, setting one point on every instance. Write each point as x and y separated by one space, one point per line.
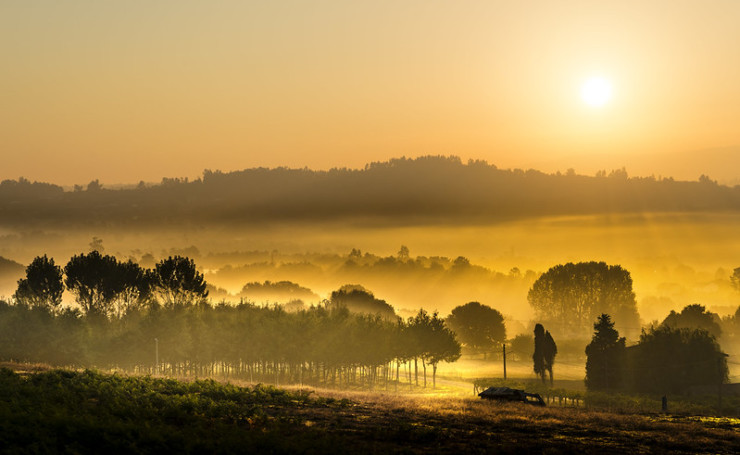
414 276
369 227
474 232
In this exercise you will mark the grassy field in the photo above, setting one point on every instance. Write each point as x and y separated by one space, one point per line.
60 411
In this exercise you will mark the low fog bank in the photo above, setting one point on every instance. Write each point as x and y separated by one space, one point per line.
674 260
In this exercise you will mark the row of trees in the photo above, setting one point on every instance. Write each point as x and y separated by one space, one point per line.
123 308
104 286
318 345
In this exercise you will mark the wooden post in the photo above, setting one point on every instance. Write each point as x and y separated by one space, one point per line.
504 345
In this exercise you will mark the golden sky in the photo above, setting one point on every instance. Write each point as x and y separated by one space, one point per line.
140 89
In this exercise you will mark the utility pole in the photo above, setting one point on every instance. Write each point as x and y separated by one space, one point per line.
504 345
156 355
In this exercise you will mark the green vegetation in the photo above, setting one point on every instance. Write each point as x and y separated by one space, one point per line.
126 310
313 346
85 412
88 412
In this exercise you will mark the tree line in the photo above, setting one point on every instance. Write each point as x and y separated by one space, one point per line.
105 287
397 190
160 321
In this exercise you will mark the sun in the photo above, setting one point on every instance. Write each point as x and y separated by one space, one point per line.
596 91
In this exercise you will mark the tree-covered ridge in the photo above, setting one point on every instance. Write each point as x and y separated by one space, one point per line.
429 188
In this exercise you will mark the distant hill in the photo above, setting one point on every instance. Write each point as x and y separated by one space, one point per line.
402 191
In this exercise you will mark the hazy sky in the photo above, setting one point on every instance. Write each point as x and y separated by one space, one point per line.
140 89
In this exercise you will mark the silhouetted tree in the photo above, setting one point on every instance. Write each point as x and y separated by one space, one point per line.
538 357
477 326
177 282
695 316
94 280
550 350
669 360
134 286
545 351
605 357
94 185
572 295
43 285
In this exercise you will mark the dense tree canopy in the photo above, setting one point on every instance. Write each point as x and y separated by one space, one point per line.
94 280
318 345
477 326
43 285
570 296
669 360
178 282
124 308
104 286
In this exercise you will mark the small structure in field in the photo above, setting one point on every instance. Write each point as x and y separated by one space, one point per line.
516 395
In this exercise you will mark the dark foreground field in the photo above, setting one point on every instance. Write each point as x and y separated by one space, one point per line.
88 412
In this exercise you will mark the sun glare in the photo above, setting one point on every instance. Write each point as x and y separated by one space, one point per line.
596 91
